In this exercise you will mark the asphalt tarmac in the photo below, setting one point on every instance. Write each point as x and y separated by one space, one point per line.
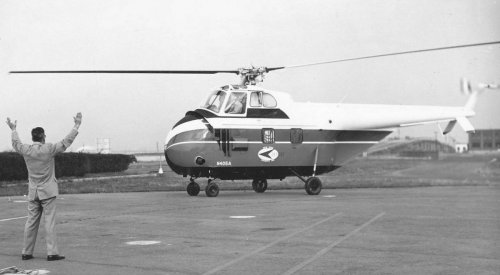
431 230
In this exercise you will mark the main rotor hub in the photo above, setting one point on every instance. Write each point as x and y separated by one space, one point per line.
250 76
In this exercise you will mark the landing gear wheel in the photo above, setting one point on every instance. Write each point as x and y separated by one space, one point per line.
313 186
193 188
259 185
212 189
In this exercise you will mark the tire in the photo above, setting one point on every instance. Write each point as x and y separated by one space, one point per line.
212 190
313 186
259 185
193 189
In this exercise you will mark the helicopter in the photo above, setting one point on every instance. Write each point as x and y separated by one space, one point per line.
246 132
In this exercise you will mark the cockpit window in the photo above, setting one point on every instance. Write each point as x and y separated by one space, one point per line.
261 99
215 101
236 103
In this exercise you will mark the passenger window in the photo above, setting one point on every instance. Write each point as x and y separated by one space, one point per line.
255 99
268 100
268 135
260 99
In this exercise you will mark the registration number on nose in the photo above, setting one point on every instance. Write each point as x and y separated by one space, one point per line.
224 163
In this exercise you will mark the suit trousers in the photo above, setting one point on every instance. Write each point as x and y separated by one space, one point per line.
36 208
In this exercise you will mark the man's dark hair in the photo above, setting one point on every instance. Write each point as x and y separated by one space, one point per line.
37 134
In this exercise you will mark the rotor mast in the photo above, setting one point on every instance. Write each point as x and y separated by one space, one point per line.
251 76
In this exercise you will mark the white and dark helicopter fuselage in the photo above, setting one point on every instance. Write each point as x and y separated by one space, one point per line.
272 137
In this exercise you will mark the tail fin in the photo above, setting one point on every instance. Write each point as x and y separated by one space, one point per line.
467 89
471 102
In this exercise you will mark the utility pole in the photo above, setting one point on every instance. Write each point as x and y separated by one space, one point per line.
436 145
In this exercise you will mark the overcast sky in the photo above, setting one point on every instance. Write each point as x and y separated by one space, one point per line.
136 111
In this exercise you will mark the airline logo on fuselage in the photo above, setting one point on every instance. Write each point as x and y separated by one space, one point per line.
268 154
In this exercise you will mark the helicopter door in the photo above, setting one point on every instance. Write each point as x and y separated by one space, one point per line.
230 140
223 137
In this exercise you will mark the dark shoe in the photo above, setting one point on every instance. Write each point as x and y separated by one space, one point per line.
26 257
55 257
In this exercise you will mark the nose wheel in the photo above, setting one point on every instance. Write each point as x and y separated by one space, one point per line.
212 189
193 188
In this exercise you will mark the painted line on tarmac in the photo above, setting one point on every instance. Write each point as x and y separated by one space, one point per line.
143 242
332 245
4 220
241 217
215 270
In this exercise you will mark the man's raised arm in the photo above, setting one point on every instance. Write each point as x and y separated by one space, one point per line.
62 145
78 120
16 142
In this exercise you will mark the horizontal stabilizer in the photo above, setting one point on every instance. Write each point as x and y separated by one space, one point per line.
449 127
465 124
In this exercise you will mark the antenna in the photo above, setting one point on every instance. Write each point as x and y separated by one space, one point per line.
160 171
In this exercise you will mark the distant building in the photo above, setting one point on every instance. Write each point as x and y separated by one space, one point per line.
411 148
103 146
461 148
86 149
485 139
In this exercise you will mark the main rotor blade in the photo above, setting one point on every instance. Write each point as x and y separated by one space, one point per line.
267 69
128 72
389 54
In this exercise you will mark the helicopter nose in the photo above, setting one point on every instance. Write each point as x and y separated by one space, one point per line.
185 142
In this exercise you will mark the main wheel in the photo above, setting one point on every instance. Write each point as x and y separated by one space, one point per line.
212 189
313 186
259 185
193 189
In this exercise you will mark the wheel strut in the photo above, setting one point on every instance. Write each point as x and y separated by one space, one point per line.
312 185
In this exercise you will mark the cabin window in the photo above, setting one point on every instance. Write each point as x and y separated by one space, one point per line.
296 136
268 136
255 99
261 99
215 101
236 103
268 100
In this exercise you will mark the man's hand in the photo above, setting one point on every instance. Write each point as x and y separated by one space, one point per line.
12 125
78 120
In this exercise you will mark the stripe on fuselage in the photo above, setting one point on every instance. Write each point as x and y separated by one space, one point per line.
280 136
278 142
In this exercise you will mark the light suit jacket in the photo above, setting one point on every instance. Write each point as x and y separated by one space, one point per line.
40 163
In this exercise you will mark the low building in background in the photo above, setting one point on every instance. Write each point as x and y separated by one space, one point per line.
484 139
416 148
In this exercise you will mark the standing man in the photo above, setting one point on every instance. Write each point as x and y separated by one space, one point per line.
43 189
